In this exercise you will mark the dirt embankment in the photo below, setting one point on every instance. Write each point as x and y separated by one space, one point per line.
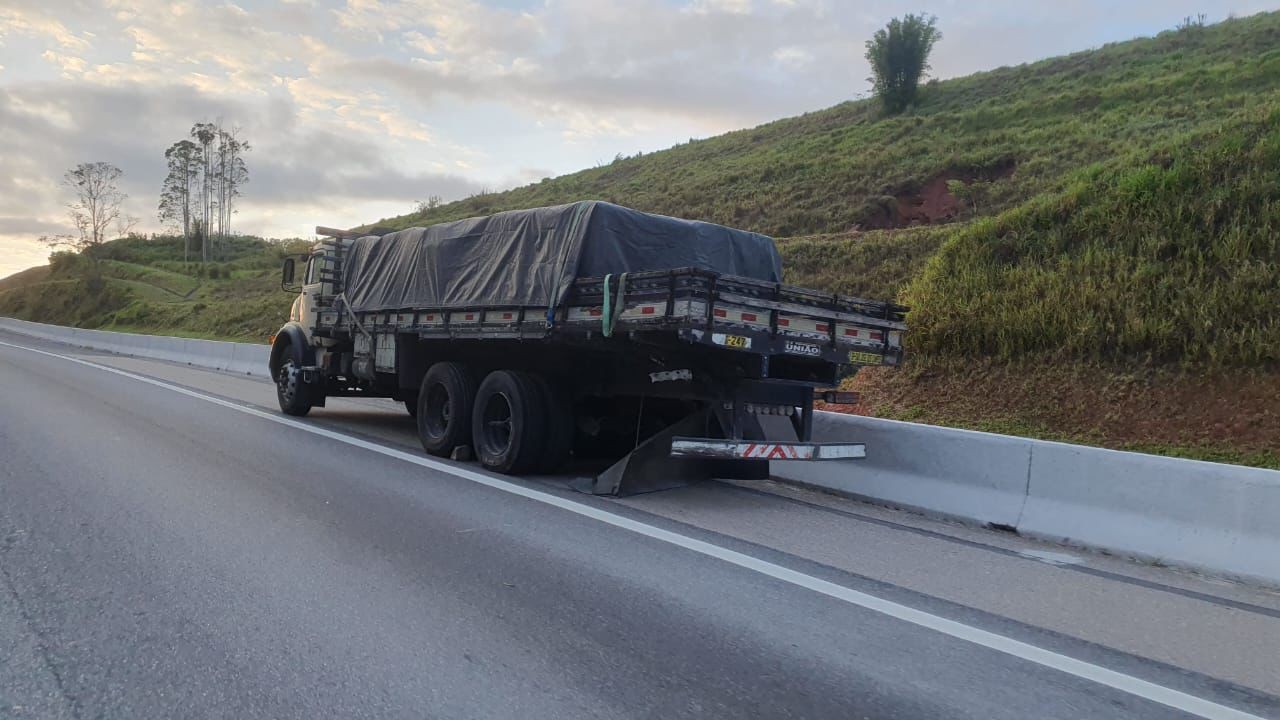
1227 415
934 202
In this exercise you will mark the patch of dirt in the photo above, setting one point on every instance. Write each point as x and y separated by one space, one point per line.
1233 412
932 203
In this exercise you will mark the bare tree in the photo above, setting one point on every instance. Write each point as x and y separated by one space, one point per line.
232 174
125 224
425 206
96 207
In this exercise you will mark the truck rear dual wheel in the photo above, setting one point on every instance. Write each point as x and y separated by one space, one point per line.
559 424
516 422
444 408
508 425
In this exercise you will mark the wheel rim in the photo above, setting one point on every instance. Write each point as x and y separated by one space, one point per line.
287 382
438 411
496 424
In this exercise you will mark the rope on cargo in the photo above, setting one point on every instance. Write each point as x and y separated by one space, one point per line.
612 309
342 298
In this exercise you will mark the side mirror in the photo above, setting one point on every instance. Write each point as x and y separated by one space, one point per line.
286 276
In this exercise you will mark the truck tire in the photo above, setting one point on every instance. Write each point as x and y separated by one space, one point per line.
508 423
293 394
443 408
559 428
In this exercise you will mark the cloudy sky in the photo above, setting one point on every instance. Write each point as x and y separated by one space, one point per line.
356 109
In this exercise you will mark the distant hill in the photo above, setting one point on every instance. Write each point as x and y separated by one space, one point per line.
140 285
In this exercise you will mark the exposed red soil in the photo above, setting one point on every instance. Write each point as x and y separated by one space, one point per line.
933 202
1227 411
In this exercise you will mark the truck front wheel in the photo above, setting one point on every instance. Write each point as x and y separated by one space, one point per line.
444 408
508 425
293 394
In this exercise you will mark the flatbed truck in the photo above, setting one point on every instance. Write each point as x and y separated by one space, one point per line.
674 373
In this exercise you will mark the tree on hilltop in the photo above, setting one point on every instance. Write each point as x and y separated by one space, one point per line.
96 205
207 173
899 57
185 161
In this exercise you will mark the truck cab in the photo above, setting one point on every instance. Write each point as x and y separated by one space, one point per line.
313 278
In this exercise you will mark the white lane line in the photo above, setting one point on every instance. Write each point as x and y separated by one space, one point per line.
1031 653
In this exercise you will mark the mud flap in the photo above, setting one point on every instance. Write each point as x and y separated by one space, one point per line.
650 466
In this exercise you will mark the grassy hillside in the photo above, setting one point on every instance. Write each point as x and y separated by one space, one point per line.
1172 255
1020 129
1106 270
138 285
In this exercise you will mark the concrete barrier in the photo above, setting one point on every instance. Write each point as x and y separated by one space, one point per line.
1217 518
250 359
245 358
1221 518
969 475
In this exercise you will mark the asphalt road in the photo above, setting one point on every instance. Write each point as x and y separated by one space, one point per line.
171 548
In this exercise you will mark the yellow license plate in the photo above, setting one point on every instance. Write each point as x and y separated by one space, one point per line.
736 341
859 357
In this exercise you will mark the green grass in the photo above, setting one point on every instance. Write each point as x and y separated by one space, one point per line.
145 286
176 284
1171 254
1269 459
874 264
1221 452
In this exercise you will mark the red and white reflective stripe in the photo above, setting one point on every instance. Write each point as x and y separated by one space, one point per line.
499 317
741 316
802 326
775 451
861 335
644 310
764 450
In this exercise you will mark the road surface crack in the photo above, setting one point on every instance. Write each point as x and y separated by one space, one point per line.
41 641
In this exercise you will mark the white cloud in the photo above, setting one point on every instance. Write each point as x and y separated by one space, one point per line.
33 23
69 64
792 58
732 7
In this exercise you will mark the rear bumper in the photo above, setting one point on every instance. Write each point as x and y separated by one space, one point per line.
764 450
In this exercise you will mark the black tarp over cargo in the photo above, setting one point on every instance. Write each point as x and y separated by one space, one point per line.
531 257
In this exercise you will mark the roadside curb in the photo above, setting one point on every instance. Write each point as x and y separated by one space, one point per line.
1210 517
242 358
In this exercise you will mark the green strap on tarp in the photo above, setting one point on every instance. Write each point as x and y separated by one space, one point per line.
612 308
